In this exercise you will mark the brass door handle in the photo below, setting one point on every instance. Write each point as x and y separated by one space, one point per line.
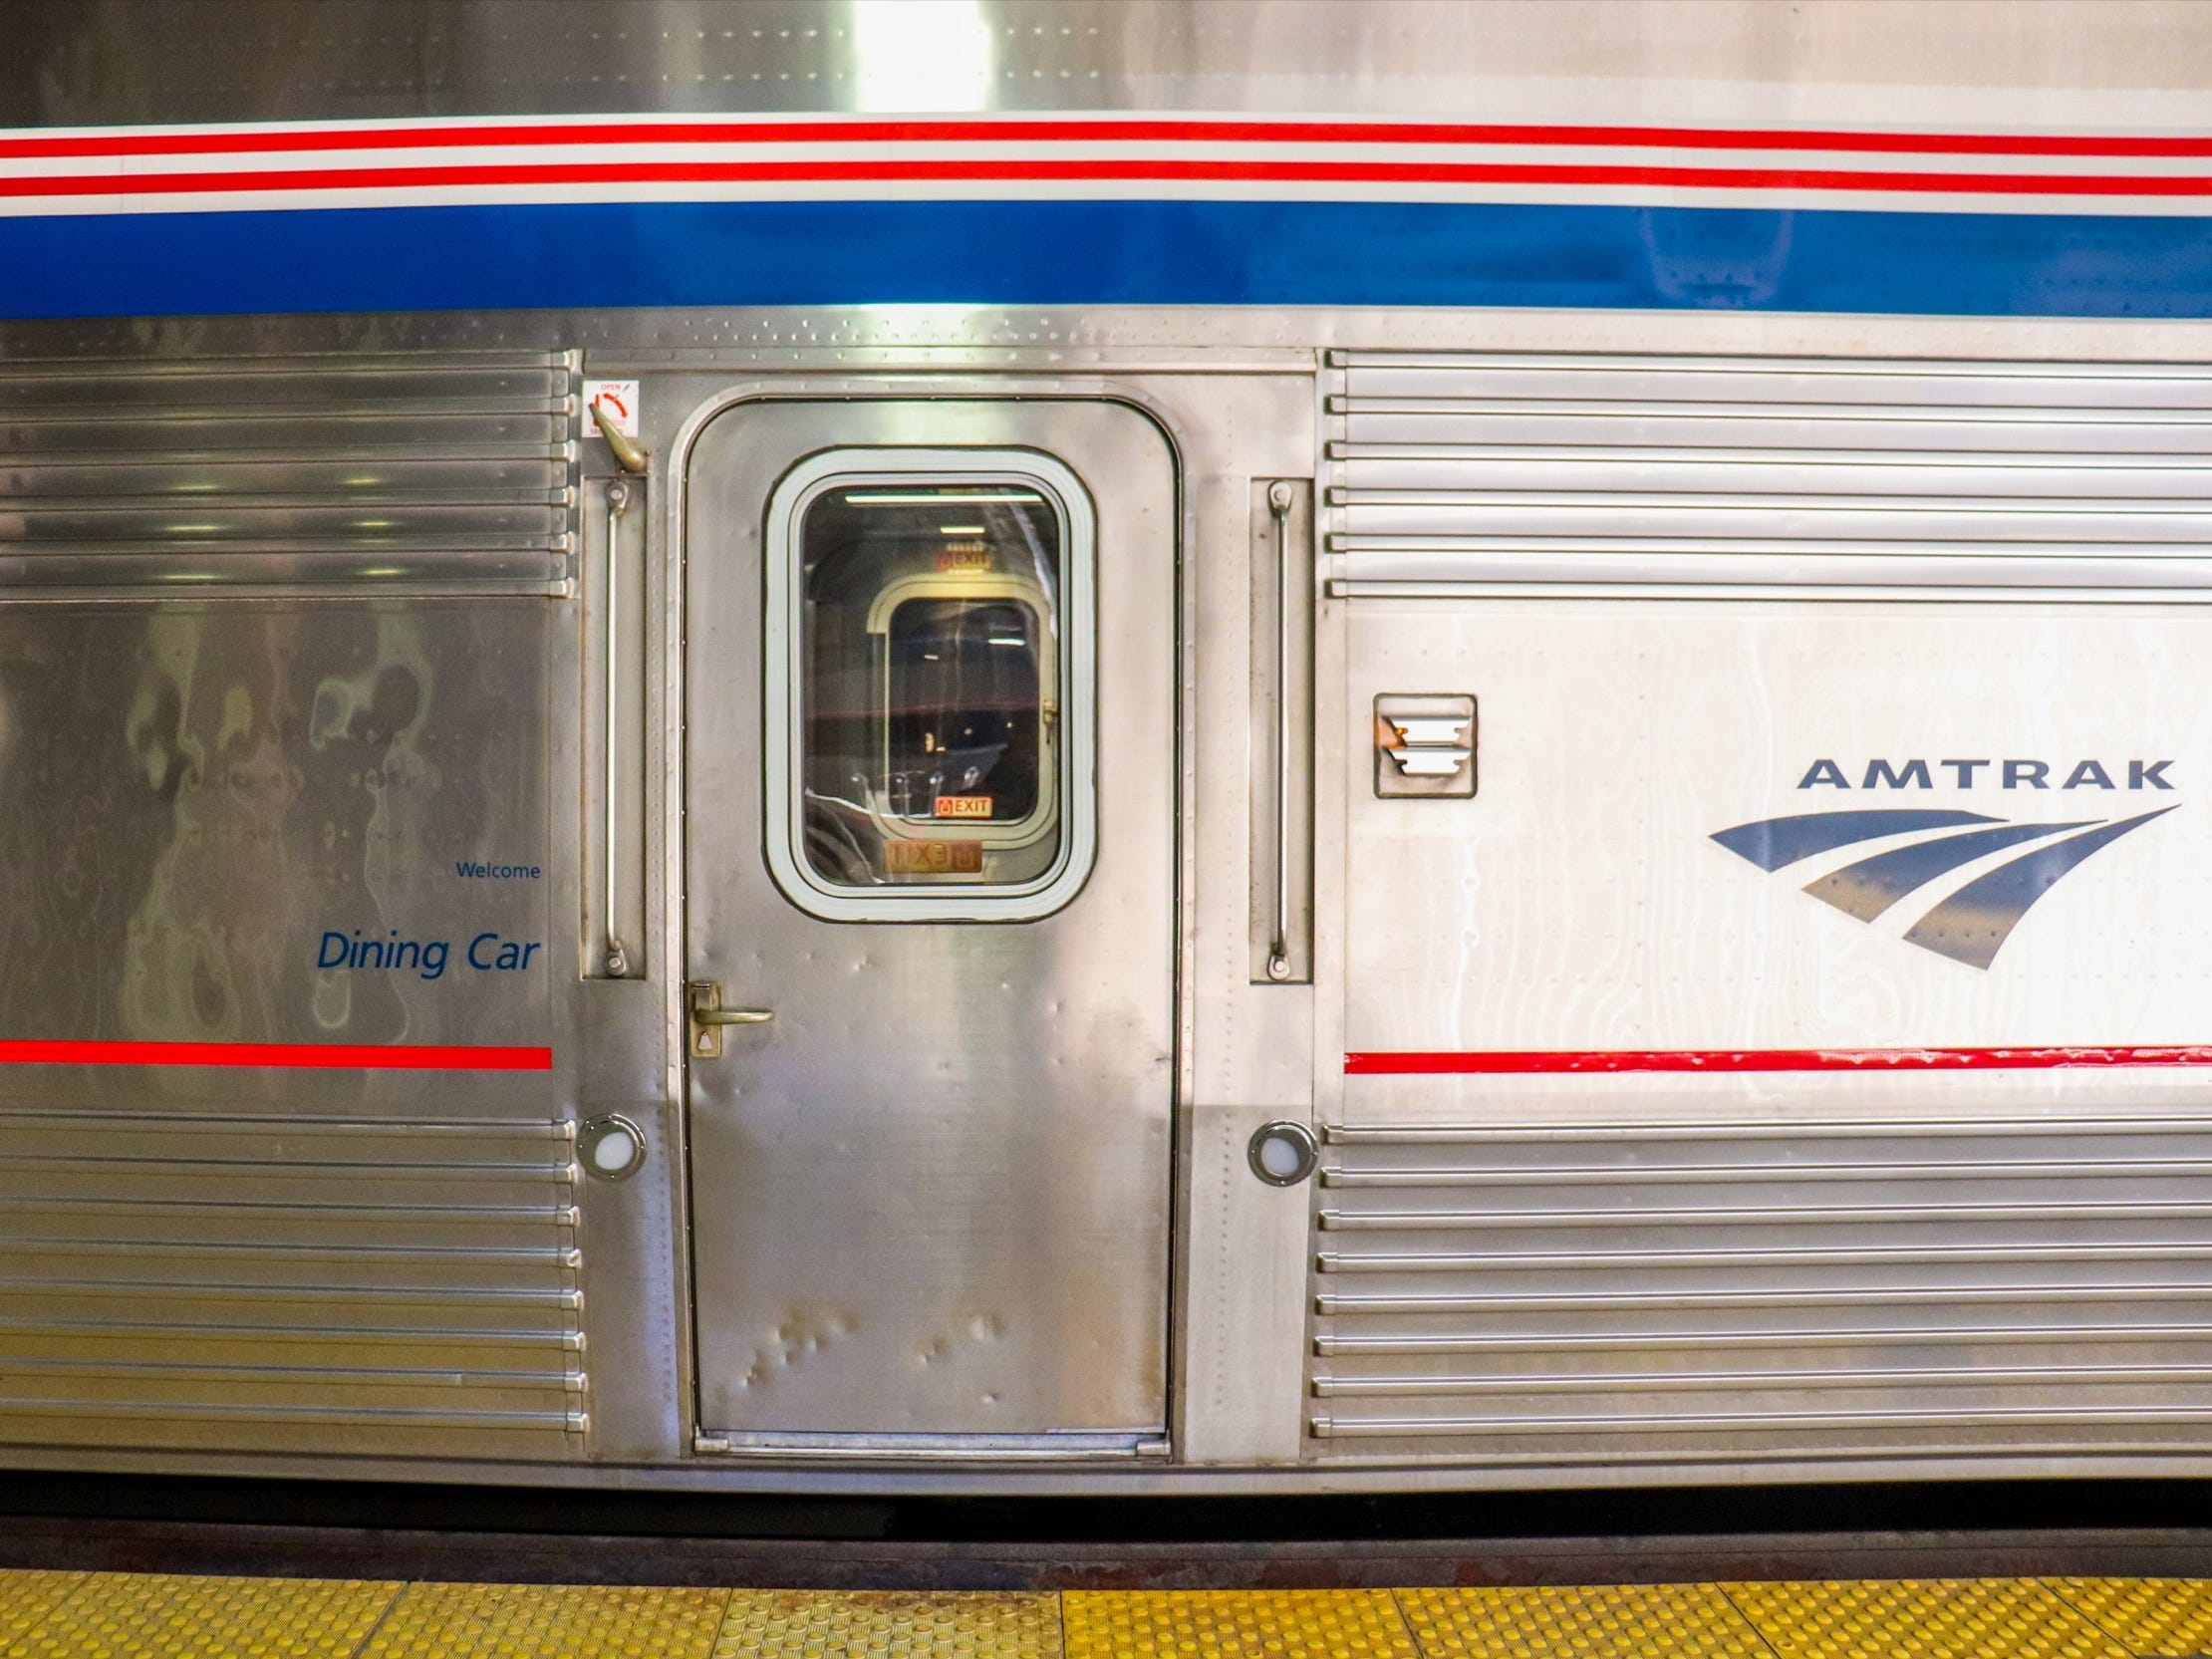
709 1017
627 454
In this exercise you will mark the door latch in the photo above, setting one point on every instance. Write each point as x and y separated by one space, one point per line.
709 1017
1424 745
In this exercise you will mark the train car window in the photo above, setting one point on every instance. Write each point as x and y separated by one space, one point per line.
966 727
926 708
926 649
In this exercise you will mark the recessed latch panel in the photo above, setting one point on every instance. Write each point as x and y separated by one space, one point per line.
1424 745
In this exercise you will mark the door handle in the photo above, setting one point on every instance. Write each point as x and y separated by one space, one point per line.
1279 498
617 498
709 1017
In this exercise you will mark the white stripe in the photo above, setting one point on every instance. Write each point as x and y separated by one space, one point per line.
530 155
485 128
1224 150
1913 201
479 145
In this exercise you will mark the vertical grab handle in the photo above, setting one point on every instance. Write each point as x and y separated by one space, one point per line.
618 500
1280 497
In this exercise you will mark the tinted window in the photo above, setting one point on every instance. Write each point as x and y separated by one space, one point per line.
929 694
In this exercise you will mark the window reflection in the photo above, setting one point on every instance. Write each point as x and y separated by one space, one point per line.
963 711
931 687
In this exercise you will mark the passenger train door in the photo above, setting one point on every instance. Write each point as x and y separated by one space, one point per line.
929 757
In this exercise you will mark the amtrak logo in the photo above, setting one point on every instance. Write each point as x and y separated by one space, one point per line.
1972 924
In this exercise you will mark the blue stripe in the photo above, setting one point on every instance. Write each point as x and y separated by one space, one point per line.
1103 254
1771 843
1973 924
1872 884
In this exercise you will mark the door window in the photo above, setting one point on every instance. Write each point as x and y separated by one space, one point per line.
925 617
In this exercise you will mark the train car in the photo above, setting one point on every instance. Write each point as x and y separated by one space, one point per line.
983 745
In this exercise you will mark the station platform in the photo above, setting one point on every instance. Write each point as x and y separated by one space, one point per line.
84 1615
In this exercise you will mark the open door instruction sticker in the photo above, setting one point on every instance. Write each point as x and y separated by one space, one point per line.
932 858
618 404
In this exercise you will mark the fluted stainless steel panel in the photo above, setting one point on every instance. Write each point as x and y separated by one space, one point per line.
450 472
1802 1291
263 1281
1463 472
354 60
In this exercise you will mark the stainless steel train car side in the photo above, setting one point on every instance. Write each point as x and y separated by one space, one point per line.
1575 861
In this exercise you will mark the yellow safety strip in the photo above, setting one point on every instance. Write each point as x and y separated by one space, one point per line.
1613 1621
77 1615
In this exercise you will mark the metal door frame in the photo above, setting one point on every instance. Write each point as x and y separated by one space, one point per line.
892 385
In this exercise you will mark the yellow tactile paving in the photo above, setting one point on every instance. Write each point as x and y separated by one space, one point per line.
1233 1624
157 1616
800 1624
2156 1617
1947 1618
70 1615
548 1621
1613 1621
27 1597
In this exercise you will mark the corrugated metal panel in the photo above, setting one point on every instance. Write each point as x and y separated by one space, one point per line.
455 472
1638 1294
1471 472
290 1283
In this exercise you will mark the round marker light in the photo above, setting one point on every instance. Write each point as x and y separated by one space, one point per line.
612 1148
1282 1152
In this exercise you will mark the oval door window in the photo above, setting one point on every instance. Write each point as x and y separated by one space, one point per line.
927 610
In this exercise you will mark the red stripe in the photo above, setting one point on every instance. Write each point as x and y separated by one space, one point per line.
1543 1062
1152 130
345 1056
1106 170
